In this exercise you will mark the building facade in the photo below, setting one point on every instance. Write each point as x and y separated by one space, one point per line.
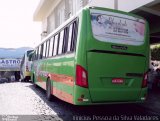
53 13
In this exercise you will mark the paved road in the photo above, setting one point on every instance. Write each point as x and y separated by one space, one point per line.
24 99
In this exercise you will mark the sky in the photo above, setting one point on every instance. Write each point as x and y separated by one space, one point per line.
17 28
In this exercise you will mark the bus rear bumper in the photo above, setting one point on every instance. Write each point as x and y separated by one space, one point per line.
83 97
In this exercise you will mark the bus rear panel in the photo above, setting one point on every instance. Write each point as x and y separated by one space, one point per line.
112 58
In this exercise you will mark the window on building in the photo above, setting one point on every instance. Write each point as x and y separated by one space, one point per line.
70 6
51 22
60 13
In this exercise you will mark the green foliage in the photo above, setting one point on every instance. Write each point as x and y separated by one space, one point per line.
155 52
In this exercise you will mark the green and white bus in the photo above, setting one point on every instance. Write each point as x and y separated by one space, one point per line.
25 66
99 56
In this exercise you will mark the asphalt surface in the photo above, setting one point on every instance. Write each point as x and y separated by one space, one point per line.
23 101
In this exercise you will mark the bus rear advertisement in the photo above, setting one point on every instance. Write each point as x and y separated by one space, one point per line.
99 56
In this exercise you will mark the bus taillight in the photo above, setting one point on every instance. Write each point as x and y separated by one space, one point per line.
145 79
81 76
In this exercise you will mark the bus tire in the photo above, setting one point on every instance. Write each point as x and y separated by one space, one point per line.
22 80
48 90
25 79
33 80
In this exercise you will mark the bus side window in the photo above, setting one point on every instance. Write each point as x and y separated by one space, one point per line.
33 57
47 47
65 41
61 42
55 45
51 47
44 50
69 38
74 36
39 52
36 54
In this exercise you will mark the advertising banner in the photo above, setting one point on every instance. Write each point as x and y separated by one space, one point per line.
10 64
117 28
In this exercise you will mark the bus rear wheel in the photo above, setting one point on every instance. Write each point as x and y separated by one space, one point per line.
48 90
34 82
26 79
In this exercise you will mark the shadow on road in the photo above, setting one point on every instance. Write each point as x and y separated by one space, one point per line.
70 112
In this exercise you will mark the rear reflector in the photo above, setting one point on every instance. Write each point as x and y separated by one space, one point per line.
81 76
145 79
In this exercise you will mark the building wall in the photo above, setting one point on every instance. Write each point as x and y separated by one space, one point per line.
64 9
131 4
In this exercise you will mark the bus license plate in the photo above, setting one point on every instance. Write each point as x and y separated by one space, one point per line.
117 81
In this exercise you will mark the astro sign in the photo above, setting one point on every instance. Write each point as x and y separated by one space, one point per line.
10 63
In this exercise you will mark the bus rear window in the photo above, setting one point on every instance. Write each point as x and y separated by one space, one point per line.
117 28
